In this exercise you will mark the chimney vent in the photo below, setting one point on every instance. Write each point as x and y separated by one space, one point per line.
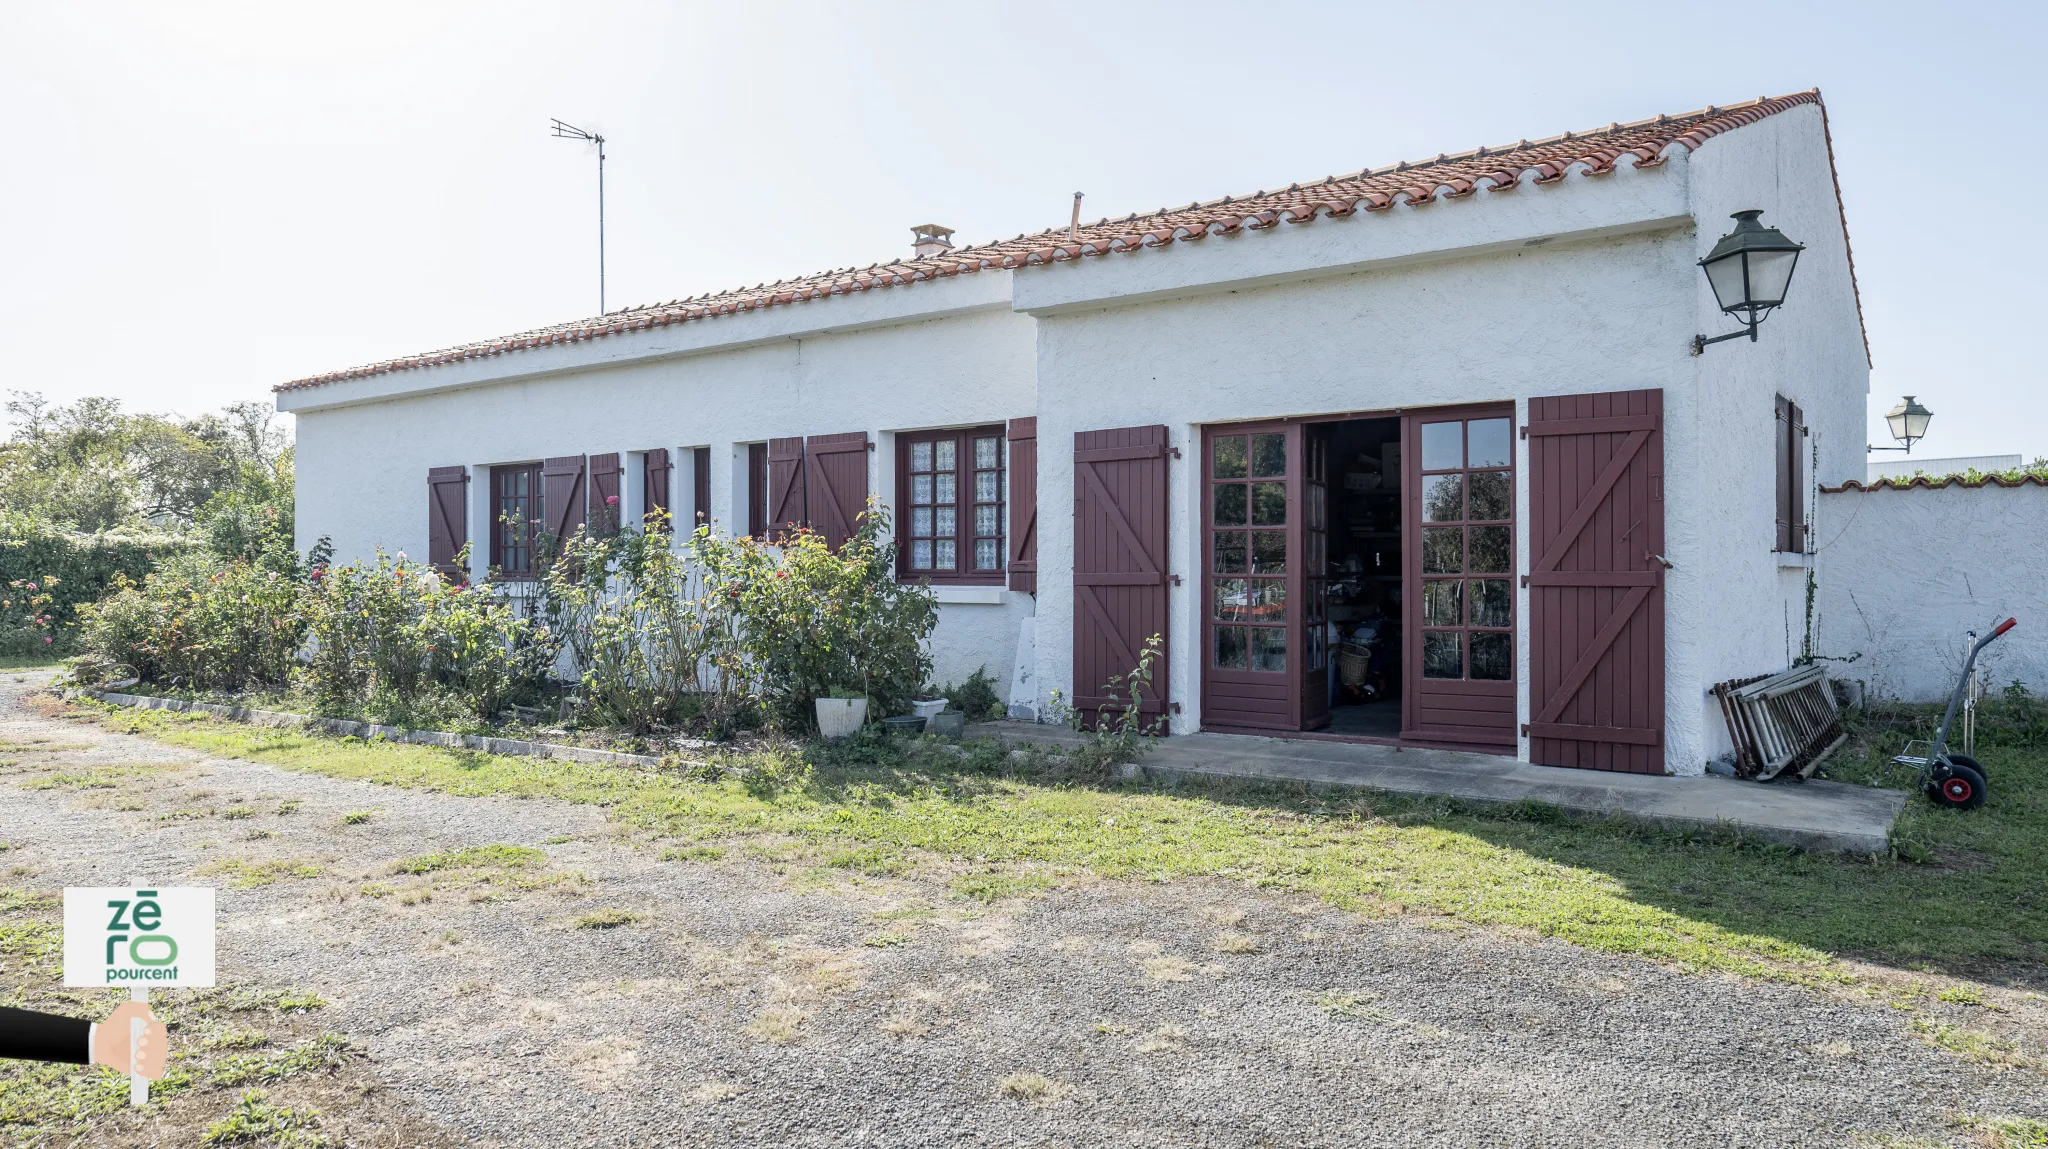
931 240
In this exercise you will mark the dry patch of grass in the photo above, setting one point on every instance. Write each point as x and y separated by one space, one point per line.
605 1063
248 873
1226 916
776 1024
713 1092
1233 942
1169 968
1033 1087
610 918
1351 1005
1164 1039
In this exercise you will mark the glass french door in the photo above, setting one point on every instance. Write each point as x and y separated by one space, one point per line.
1460 592
1262 626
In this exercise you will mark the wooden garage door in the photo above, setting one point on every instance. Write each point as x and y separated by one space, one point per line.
1120 567
1596 597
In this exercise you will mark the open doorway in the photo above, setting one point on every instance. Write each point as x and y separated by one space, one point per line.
1363 584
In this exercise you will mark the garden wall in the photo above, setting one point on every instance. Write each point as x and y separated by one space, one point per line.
1901 572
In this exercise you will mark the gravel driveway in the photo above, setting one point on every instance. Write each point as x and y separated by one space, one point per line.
752 1001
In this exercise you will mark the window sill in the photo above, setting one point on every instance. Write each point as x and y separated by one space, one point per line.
1793 560
957 595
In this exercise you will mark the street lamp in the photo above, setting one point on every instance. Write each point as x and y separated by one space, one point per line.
1749 270
1908 422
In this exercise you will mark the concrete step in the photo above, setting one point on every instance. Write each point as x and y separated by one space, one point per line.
1828 816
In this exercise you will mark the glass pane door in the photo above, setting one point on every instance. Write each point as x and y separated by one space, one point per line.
1248 545
1468 500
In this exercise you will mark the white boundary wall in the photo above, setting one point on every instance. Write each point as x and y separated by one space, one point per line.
1901 575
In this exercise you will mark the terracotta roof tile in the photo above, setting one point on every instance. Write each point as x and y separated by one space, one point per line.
1923 483
1644 143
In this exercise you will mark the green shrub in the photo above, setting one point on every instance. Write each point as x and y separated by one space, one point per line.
202 623
976 697
485 650
394 641
804 618
644 637
73 569
26 624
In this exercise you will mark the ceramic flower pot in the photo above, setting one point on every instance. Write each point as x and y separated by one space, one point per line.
839 717
926 707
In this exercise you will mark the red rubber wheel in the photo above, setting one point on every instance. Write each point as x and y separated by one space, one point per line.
1956 787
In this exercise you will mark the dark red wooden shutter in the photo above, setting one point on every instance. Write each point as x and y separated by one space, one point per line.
785 487
447 518
1120 561
1596 597
757 490
701 488
562 486
1796 465
607 473
1782 425
836 478
1023 545
654 489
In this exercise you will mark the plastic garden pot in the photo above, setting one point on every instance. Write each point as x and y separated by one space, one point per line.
904 724
839 717
949 724
925 708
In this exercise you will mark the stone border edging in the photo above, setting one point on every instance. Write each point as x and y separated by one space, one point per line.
514 747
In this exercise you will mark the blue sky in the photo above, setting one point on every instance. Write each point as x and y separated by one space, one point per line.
201 200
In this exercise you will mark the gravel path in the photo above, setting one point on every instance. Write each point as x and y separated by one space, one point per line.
753 1002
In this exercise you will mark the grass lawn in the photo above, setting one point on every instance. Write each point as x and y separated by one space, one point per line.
1975 905
28 661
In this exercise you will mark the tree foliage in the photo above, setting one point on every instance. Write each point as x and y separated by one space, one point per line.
91 467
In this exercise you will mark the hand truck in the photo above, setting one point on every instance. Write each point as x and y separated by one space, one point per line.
1955 781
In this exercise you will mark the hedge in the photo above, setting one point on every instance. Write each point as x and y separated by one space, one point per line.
84 566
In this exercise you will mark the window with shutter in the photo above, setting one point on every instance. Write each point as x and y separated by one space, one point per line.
517 513
1791 458
564 490
757 490
655 470
607 473
1023 522
786 510
447 519
951 515
836 484
701 472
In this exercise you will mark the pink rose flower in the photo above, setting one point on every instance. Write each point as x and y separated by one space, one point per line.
611 500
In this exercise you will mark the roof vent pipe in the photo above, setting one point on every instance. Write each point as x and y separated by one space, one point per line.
931 240
1074 228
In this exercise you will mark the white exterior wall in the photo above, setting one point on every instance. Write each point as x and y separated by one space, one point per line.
1743 611
362 467
1902 575
1588 284
1491 328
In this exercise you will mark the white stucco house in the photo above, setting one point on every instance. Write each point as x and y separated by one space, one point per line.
1425 453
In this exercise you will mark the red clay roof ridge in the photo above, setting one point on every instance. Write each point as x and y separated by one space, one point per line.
1370 190
1924 483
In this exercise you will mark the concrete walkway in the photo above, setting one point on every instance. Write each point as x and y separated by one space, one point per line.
1813 815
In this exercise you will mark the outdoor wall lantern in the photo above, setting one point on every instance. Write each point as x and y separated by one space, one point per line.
1908 422
1749 271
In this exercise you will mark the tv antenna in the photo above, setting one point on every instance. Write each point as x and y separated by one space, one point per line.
572 132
